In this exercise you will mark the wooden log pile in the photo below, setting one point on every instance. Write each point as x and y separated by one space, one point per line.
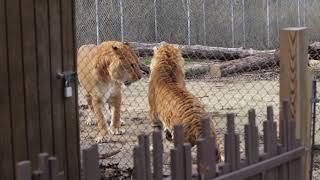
247 64
198 52
228 61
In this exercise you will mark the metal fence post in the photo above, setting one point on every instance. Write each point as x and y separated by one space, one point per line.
189 23
121 20
155 20
204 22
97 21
243 24
232 22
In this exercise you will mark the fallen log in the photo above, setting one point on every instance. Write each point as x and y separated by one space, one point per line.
193 72
198 52
314 51
247 64
144 68
190 72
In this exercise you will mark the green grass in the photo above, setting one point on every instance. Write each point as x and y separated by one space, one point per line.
147 60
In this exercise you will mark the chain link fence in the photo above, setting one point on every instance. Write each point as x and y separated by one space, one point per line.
222 71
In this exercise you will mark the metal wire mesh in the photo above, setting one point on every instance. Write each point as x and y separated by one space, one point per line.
214 23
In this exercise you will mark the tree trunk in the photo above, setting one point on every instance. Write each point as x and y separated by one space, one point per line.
197 52
191 72
247 64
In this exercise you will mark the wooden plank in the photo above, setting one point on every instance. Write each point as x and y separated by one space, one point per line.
270 141
177 168
178 140
187 161
270 134
157 154
90 158
138 168
6 150
211 141
23 170
43 164
202 160
206 160
54 168
44 79
142 162
232 144
30 79
283 170
147 156
259 167
70 106
16 79
292 166
205 128
62 176
56 84
292 135
251 140
37 175
295 84
178 135
284 125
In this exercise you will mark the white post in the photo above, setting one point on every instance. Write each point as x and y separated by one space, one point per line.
304 12
155 21
298 4
188 15
204 22
97 22
232 23
121 20
268 24
243 24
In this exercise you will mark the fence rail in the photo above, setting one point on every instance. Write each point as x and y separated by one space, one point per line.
279 160
48 167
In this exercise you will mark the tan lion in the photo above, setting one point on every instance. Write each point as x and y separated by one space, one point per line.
102 69
170 103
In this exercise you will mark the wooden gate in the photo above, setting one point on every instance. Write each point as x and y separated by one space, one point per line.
37 42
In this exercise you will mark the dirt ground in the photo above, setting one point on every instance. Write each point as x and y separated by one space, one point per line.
236 94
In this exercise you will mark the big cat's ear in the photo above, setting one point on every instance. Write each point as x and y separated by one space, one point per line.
125 43
176 46
155 48
114 47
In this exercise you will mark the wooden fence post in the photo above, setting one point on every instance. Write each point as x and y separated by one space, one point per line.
90 158
295 85
23 170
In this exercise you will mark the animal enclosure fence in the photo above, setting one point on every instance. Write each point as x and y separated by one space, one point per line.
221 70
232 23
279 160
281 157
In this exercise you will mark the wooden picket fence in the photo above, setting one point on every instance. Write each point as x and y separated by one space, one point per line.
280 160
48 167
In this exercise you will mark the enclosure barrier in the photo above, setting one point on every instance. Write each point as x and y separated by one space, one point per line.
48 167
277 161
